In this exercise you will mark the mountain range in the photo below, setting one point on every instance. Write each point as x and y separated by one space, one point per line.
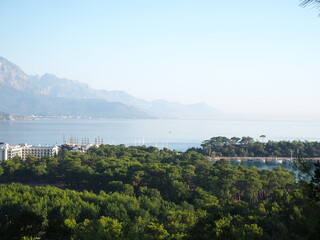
49 95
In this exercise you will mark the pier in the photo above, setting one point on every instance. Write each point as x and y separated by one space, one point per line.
266 159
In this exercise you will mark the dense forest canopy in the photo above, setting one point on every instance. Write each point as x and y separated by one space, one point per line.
248 147
118 192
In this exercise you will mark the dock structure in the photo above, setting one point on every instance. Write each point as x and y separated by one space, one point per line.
267 159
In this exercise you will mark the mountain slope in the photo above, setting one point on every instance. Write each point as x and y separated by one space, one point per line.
21 94
25 94
62 87
12 77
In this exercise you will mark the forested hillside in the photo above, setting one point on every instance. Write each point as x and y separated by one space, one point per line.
118 192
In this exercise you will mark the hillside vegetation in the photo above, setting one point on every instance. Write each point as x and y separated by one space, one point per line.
118 192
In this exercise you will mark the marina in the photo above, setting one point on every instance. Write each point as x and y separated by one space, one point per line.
279 160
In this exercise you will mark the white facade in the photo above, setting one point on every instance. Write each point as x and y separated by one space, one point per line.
23 150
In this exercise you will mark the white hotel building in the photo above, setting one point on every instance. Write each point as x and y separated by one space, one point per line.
8 151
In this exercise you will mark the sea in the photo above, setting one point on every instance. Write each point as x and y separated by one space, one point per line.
174 134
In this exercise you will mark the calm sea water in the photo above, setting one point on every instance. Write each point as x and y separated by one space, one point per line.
267 165
174 134
171 133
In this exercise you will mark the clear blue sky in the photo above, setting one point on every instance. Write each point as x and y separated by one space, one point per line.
257 57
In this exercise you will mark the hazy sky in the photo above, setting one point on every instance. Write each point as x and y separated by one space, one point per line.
238 56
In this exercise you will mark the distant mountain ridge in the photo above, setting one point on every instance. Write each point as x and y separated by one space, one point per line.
23 94
63 87
50 95
12 77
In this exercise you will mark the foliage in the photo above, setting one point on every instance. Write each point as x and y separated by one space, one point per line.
310 2
248 147
118 192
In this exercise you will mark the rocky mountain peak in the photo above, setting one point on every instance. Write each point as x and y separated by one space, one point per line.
12 77
39 95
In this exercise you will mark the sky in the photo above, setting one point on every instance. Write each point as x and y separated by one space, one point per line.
241 57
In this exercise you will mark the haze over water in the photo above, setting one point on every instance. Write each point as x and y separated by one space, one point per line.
171 133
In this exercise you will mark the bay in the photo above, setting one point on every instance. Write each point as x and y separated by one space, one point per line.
172 133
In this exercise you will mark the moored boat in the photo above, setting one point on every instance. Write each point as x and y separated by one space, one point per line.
288 161
236 160
277 161
260 160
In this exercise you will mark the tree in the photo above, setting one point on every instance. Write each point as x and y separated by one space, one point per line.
263 137
310 2
310 171
103 228
157 231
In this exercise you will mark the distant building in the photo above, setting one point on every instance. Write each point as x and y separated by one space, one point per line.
8 151
77 148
